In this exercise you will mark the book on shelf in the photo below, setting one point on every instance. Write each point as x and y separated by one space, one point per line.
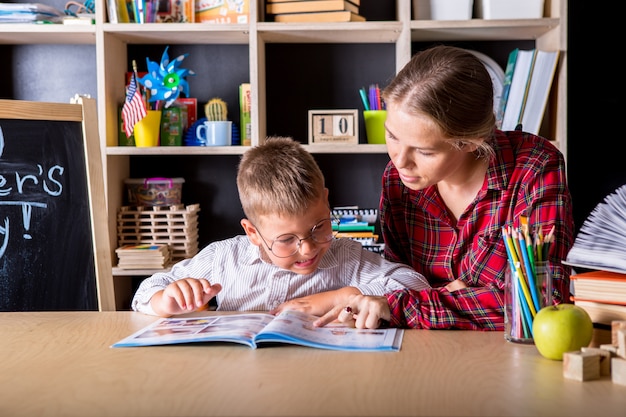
340 16
603 313
112 12
601 242
245 118
143 256
600 286
311 6
518 88
506 85
539 87
260 329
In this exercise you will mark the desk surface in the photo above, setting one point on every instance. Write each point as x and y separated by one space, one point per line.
54 364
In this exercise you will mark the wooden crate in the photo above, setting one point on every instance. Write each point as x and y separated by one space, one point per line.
176 226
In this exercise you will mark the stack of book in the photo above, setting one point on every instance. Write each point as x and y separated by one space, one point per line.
602 294
143 256
358 224
600 249
314 10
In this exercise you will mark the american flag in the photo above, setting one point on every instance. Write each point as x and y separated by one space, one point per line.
134 108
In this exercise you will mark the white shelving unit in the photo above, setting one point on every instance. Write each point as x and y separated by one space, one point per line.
111 41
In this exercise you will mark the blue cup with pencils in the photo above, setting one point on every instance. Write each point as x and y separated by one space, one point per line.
527 289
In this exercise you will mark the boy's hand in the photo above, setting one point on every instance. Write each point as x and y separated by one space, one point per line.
184 296
362 312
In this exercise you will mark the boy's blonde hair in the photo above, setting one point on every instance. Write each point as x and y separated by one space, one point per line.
280 178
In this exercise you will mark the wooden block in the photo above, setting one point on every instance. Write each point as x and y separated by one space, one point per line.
621 343
605 358
615 326
618 371
611 348
581 366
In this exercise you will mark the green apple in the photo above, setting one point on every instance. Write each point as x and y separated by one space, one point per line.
561 328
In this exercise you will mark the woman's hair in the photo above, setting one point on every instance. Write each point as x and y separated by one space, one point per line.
278 177
453 88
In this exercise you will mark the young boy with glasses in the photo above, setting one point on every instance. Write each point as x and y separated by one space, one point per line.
288 259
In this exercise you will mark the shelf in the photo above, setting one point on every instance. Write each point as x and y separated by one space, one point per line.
238 150
120 272
481 30
179 33
177 150
33 33
354 32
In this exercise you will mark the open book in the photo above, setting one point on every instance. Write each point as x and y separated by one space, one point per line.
601 242
256 329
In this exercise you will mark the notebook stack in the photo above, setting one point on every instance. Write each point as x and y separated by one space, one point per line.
143 256
358 224
314 10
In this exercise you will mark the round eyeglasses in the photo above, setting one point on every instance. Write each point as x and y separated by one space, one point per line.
289 244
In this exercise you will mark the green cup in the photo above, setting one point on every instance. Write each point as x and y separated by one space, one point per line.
375 126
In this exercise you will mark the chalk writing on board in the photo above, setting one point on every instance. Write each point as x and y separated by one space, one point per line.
25 189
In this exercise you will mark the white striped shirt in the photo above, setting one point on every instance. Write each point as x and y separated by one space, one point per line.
250 283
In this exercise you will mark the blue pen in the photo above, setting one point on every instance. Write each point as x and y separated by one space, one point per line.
364 98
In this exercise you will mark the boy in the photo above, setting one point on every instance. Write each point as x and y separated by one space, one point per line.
288 259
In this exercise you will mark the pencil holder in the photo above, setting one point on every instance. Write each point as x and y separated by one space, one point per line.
527 289
147 129
375 126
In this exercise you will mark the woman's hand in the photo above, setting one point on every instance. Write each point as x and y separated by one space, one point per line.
184 296
320 303
362 312
457 284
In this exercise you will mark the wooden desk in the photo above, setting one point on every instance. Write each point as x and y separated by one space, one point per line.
60 364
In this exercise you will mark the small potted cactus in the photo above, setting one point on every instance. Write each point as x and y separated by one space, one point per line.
216 110
217 129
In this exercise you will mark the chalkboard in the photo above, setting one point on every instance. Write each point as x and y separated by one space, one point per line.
54 245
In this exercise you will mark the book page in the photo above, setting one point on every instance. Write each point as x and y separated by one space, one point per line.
238 328
297 328
600 242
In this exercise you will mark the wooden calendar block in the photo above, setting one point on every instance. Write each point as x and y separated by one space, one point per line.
333 126
581 366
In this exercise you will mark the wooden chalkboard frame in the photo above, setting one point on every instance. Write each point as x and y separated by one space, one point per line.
81 110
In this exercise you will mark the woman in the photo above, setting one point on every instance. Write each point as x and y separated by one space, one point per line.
453 182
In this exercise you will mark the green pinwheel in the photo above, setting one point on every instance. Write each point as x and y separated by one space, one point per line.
165 81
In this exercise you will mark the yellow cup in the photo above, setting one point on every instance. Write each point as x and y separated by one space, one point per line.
375 125
147 129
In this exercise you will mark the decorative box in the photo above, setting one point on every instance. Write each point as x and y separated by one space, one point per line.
509 9
222 11
442 9
154 191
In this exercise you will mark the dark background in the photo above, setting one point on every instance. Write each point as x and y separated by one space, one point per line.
596 164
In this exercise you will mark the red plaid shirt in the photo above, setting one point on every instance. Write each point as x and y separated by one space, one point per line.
527 176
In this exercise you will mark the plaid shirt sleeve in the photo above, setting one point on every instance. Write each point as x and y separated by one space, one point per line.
527 176
479 308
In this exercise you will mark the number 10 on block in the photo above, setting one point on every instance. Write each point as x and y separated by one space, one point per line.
333 126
